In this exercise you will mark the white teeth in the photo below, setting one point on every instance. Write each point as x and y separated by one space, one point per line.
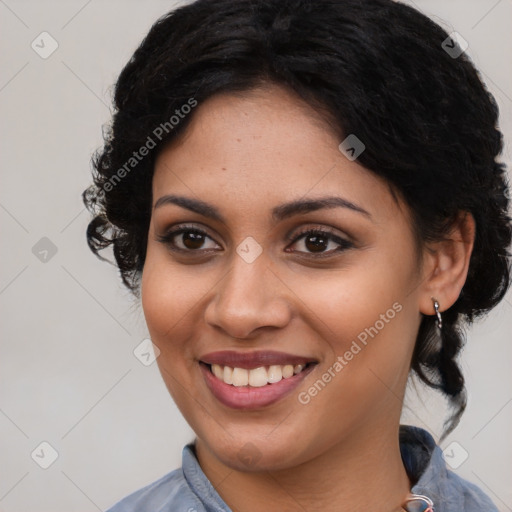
274 374
257 377
287 371
240 377
218 371
228 375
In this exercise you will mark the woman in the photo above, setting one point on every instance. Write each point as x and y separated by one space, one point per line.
305 195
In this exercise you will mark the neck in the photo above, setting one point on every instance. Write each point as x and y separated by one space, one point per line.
363 472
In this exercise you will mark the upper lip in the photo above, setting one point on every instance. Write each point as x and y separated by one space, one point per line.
250 360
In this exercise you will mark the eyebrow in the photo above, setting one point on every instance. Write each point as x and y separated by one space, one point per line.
279 213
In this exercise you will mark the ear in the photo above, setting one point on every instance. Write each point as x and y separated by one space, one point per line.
446 264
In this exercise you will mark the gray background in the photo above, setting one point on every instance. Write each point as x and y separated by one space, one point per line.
68 373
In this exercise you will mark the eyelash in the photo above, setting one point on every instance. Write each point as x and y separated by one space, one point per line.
168 238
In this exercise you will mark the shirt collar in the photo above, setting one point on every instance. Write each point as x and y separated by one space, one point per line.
422 458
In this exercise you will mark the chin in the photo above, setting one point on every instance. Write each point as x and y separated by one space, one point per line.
255 452
251 457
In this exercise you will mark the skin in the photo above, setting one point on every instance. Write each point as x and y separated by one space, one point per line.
245 155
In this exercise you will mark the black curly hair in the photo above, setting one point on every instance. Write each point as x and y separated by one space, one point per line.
375 68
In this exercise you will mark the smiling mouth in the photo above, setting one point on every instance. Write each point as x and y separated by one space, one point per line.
256 377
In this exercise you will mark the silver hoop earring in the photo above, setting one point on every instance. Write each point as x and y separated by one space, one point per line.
438 314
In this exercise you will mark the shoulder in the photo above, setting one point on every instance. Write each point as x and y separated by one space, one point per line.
171 492
452 492
427 466
466 496
186 489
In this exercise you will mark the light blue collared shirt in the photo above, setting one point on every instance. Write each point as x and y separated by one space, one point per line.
187 489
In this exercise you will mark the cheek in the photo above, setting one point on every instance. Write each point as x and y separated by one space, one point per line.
169 295
344 305
168 308
367 315
168 305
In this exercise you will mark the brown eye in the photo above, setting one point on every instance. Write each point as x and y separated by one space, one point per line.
192 240
320 242
188 240
316 243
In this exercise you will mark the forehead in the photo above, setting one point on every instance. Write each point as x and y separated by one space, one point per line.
260 148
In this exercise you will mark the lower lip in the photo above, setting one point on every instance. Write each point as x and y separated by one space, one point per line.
246 397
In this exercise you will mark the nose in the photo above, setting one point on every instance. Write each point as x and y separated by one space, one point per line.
249 297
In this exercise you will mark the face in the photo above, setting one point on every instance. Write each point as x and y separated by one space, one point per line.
287 270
